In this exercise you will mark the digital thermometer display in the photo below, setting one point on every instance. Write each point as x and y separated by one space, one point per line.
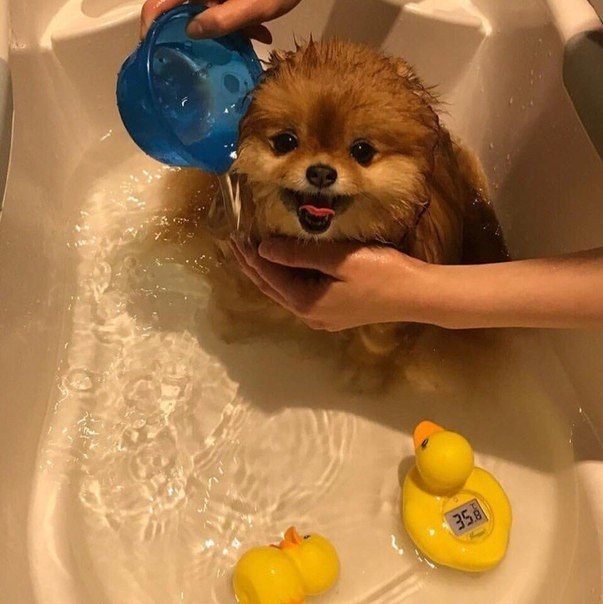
466 517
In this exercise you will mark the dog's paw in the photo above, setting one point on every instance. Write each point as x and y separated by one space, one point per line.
374 356
366 378
229 326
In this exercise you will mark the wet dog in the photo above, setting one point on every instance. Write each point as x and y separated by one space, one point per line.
341 142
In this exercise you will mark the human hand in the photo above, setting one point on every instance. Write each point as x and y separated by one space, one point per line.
343 285
222 17
356 285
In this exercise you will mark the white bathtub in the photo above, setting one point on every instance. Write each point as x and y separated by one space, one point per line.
70 536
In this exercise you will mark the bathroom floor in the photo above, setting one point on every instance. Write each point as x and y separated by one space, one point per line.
172 452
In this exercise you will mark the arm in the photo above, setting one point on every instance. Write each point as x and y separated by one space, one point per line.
563 291
222 18
361 285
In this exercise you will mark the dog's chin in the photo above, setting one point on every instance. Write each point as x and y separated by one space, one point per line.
315 211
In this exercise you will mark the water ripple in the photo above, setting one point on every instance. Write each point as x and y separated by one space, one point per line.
173 468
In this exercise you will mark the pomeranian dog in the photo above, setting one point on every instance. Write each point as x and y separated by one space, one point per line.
341 142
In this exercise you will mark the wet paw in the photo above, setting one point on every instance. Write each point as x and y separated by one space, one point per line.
366 378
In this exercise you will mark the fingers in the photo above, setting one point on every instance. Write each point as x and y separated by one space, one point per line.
254 277
328 258
295 292
152 9
233 15
220 19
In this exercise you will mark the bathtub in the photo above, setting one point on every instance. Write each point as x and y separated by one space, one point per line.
140 455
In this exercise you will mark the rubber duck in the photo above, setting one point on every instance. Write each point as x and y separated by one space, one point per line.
286 573
456 514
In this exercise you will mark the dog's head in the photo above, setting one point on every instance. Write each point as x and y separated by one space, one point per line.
337 143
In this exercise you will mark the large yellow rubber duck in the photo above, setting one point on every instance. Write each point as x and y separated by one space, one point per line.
286 573
456 514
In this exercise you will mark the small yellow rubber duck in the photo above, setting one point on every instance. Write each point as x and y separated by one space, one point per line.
456 514
286 573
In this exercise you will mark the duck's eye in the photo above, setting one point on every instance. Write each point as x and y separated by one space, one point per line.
363 152
424 443
306 536
284 142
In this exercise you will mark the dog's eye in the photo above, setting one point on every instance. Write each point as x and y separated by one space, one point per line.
284 142
362 152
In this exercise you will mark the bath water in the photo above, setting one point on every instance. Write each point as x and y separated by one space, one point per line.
169 452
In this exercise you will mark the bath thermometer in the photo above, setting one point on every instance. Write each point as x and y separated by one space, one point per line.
181 100
456 514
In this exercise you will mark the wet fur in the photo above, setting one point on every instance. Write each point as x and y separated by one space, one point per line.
423 192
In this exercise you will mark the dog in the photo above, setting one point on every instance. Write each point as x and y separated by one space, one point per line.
341 142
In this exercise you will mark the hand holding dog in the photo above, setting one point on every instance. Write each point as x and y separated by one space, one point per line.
343 285
356 285
222 18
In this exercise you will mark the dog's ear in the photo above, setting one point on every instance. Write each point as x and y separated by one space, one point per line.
414 83
278 56
276 61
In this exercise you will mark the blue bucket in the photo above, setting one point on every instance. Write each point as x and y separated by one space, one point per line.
181 100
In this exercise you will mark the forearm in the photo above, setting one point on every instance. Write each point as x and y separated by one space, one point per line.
557 292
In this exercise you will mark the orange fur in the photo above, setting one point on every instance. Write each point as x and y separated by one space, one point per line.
421 192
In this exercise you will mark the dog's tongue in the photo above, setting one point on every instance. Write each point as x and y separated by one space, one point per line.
319 212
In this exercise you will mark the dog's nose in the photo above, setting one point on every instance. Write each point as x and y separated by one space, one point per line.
321 176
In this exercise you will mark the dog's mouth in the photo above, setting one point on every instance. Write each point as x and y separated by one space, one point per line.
315 219
315 212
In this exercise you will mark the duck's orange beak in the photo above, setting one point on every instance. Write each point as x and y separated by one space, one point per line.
424 430
292 538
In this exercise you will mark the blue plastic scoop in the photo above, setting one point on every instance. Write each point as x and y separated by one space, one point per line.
181 100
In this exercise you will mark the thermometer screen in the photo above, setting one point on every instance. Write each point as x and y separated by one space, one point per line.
466 517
